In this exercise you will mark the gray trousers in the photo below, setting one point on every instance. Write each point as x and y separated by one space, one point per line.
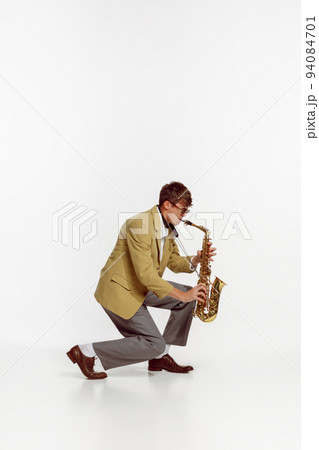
142 339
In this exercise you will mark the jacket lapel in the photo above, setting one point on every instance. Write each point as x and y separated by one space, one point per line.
157 230
166 243
157 220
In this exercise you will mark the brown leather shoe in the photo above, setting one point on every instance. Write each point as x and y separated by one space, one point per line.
85 363
167 363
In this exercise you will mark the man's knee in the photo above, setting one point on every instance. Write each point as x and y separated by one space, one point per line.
157 346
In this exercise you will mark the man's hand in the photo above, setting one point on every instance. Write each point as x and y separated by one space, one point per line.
211 252
198 293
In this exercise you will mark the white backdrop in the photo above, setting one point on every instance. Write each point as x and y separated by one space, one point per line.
102 103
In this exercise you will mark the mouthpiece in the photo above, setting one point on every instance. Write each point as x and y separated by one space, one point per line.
187 222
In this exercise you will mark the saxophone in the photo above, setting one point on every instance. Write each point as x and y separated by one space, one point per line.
207 312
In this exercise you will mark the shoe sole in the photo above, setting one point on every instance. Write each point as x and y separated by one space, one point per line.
69 354
167 370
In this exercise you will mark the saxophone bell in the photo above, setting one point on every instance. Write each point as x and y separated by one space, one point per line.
207 312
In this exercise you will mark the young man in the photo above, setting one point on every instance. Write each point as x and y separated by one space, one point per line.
131 280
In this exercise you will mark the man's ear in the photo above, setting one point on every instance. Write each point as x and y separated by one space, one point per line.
166 204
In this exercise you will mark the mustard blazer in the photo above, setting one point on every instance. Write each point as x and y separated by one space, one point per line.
134 266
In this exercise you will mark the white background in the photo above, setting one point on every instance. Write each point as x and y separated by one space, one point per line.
102 103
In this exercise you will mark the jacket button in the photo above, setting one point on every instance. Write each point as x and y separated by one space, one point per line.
145 293
158 268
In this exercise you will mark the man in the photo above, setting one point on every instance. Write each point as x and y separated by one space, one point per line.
131 280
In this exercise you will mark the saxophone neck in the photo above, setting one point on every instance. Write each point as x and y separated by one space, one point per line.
200 227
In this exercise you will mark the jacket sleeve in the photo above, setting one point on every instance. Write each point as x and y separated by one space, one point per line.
139 247
178 263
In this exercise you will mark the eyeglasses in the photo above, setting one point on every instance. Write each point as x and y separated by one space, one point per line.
183 210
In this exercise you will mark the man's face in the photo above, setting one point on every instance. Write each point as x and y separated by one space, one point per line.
175 212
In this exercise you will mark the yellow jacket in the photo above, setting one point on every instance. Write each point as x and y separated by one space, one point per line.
134 266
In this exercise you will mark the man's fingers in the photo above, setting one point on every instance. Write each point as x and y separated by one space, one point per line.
201 287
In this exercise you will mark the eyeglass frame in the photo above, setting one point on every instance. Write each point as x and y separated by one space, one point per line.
183 210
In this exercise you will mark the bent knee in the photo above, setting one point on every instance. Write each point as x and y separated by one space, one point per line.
157 346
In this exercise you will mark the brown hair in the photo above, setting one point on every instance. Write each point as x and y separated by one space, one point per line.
175 192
